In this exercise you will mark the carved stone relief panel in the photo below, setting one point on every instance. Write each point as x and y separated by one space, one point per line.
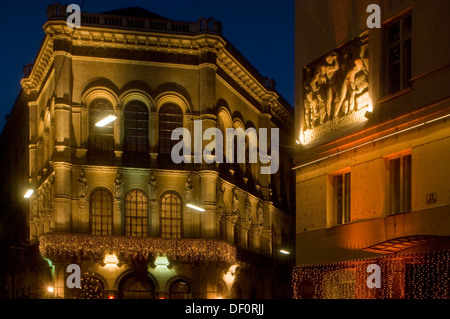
336 90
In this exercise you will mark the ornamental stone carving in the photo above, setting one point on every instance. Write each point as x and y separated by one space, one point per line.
336 90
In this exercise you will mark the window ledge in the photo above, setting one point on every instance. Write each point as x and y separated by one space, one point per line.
395 94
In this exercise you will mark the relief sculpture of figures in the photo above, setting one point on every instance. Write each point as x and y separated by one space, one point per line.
336 85
351 87
323 84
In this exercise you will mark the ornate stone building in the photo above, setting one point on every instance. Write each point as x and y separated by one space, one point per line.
110 199
372 113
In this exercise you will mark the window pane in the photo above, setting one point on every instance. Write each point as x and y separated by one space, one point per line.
407 183
136 214
406 62
347 198
394 69
407 25
394 173
100 138
170 118
136 127
101 212
338 203
394 32
170 216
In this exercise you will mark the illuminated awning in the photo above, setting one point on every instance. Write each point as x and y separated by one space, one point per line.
397 244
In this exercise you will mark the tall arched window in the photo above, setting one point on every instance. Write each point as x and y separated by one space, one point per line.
170 118
136 214
171 216
101 212
100 138
136 127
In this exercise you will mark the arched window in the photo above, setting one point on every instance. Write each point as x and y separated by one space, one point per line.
100 138
180 290
136 127
170 118
101 212
171 216
136 214
133 287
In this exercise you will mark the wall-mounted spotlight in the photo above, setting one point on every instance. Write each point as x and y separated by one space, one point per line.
368 114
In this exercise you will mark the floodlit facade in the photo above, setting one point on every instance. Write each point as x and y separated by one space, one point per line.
372 165
109 198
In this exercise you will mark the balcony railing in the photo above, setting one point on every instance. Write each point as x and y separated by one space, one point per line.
58 12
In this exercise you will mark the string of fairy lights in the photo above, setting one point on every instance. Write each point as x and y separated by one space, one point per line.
411 276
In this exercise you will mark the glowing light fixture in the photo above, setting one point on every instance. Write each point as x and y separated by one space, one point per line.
162 261
50 289
106 121
283 251
111 259
195 207
28 193
297 141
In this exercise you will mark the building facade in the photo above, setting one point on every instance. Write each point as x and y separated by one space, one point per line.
371 167
111 200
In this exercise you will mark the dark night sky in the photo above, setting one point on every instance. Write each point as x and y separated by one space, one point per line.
262 30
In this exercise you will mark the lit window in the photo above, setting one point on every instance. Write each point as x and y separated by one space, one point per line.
341 198
136 127
136 214
170 118
400 184
397 57
170 216
100 138
101 212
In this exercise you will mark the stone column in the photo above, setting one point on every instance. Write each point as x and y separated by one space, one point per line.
63 196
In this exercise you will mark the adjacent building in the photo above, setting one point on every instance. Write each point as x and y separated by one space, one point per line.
372 165
110 198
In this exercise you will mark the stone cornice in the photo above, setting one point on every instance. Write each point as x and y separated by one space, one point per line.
40 69
150 44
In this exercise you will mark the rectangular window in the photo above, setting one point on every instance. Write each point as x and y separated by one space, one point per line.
397 53
400 184
341 198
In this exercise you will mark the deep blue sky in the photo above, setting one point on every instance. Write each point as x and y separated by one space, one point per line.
262 30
